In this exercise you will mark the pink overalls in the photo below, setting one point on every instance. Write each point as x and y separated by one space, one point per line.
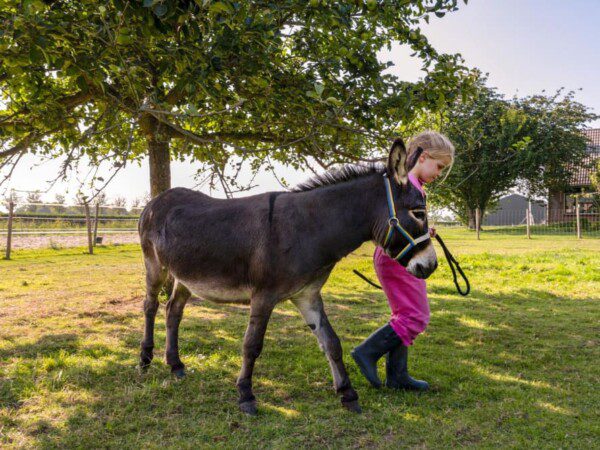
406 294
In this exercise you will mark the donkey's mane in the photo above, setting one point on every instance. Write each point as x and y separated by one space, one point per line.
339 175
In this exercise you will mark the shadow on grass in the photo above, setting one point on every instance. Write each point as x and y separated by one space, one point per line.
478 351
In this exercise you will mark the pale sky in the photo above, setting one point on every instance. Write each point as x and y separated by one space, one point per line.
526 46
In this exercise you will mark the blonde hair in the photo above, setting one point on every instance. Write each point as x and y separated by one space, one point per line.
436 145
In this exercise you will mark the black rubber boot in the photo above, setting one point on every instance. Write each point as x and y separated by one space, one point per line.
397 371
374 347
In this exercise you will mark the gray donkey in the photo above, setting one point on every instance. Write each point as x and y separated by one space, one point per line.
264 249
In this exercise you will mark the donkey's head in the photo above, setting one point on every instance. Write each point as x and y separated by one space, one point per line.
407 237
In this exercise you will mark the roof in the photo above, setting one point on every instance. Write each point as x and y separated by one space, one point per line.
593 136
580 175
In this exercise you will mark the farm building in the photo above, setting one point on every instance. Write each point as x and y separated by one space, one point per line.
512 210
562 203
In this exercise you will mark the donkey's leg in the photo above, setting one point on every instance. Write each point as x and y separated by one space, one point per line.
261 308
155 277
175 305
311 307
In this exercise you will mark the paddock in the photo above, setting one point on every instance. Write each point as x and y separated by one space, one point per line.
512 365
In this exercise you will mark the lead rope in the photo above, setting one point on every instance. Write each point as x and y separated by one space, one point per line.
452 262
454 266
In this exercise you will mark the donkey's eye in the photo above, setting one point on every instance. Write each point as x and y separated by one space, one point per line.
420 214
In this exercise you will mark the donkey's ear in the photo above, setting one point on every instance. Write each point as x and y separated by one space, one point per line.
396 167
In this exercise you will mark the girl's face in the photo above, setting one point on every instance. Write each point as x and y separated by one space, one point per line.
428 168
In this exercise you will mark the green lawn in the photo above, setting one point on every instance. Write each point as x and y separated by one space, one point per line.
515 364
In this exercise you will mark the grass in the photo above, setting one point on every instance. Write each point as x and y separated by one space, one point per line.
512 365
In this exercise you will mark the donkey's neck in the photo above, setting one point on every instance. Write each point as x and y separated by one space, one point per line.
347 214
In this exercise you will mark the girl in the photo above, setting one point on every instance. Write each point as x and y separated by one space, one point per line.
406 294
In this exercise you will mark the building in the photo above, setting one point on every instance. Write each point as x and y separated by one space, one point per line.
512 210
562 203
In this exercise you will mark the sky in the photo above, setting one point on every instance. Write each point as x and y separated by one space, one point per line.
526 46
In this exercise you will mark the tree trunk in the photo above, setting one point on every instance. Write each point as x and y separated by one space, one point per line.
471 216
158 153
160 166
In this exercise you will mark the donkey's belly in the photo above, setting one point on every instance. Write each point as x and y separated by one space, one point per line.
217 292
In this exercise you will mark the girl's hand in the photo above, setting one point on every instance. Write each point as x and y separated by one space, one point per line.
432 232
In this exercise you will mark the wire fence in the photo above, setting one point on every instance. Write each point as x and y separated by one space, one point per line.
580 219
33 225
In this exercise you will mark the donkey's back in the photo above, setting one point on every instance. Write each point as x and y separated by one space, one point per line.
199 238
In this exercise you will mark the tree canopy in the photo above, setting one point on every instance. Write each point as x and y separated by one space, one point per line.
503 143
215 81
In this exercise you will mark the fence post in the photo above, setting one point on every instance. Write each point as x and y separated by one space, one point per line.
11 208
477 221
529 216
89 226
96 222
578 216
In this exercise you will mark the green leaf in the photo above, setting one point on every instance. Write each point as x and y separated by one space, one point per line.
160 9
334 101
219 7
124 37
319 88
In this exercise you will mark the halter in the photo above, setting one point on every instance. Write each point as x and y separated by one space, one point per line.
394 224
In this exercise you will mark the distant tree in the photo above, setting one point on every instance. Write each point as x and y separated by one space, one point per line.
12 196
101 198
502 143
553 124
137 204
487 132
34 199
59 199
595 176
121 205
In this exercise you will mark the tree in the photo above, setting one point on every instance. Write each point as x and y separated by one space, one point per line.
554 124
501 143
33 199
59 199
487 133
595 176
220 82
59 208
121 205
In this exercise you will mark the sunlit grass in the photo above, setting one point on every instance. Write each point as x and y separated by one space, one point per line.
512 365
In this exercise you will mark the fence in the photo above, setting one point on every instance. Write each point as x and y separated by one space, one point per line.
93 223
27 221
578 223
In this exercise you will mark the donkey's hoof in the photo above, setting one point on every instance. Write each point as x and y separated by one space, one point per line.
249 407
179 373
143 367
352 406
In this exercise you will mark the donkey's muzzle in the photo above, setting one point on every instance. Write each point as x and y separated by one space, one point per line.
422 271
423 263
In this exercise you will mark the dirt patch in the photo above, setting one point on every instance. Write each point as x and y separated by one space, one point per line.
64 241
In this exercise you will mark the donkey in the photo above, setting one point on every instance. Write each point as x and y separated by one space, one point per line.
266 248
